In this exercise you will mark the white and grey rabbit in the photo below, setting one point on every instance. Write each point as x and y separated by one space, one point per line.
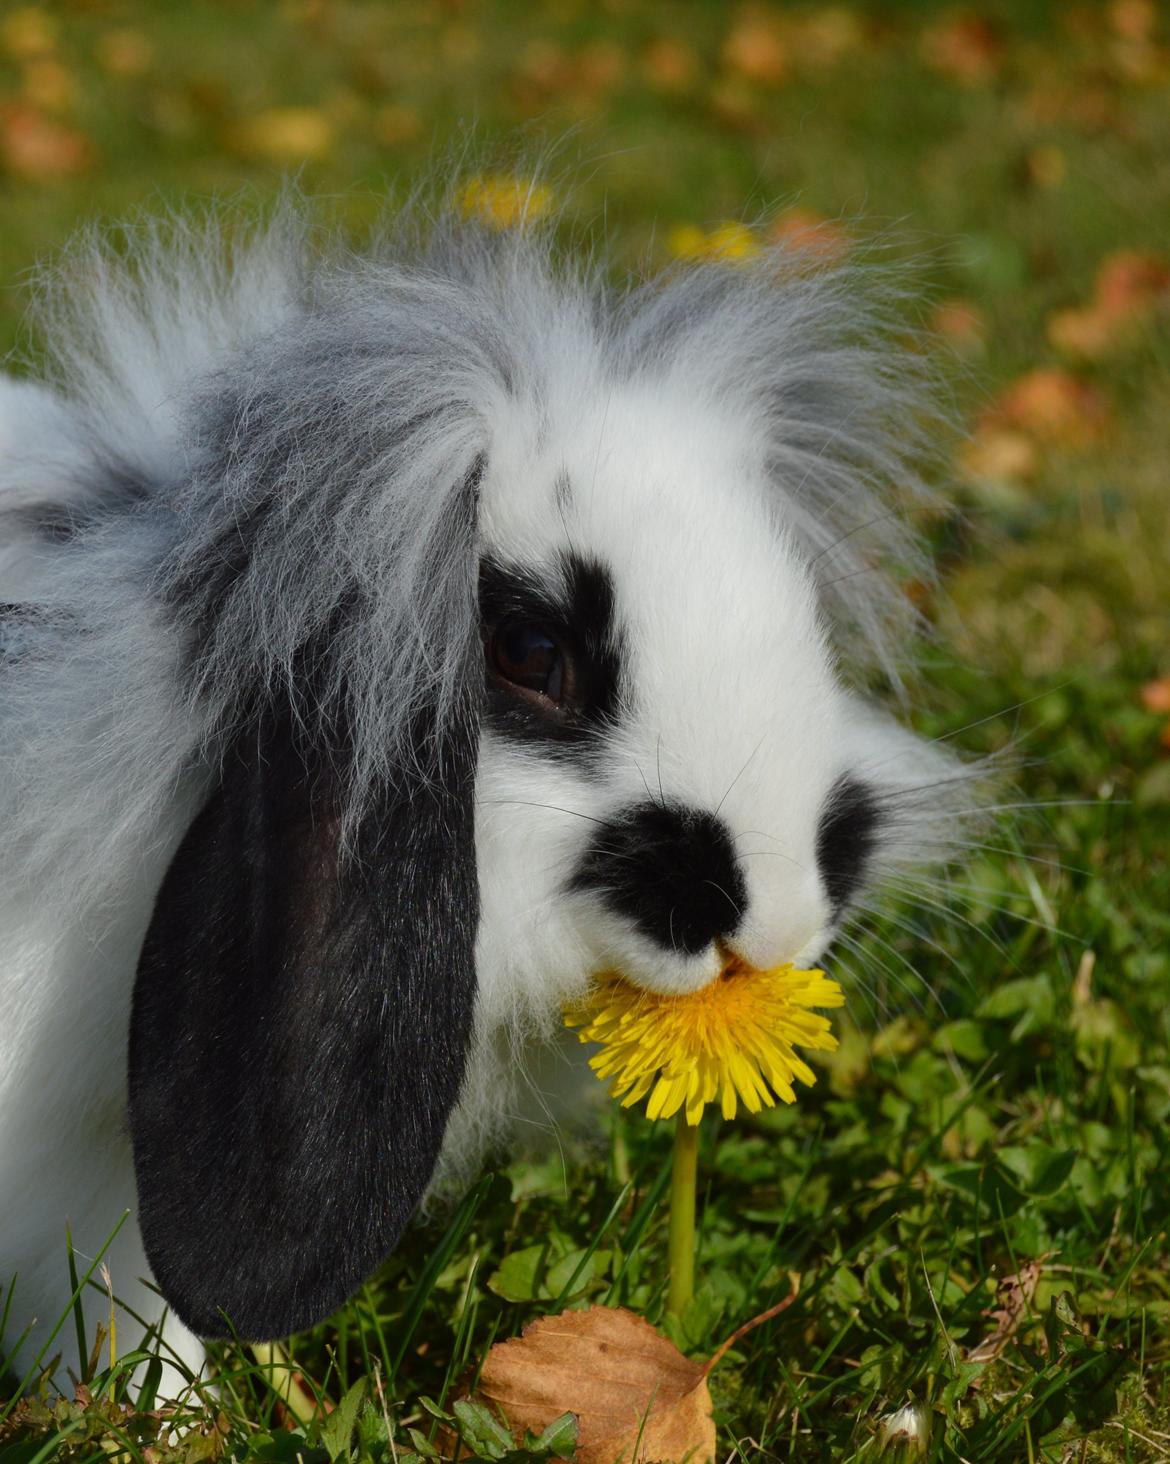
388 644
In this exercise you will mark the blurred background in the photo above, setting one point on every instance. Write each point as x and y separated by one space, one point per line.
1020 152
1016 154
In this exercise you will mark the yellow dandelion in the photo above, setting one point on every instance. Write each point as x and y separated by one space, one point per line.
502 202
731 1042
730 241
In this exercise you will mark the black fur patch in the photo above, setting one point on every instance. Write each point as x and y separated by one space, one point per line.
299 1031
671 871
580 609
848 833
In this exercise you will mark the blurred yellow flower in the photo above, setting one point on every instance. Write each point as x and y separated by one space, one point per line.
502 202
730 1042
286 135
728 241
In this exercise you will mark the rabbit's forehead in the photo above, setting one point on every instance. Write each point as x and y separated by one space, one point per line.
673 506
712 609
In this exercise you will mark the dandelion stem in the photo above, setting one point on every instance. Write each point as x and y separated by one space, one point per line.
681 1246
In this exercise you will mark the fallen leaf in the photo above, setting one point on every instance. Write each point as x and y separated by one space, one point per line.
810 232
396 123
600 66
285 134
755 48
967 48
1134 20
822 37
1129 281
547 72
49 85
998 455
1135 50
33 146
1013 1297
670 65
1052 406
124 52
1089 332
28 32
1156 695
1131 285
634 1394
962 323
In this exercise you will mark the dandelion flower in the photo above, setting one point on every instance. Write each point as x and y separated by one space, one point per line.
504 202
731 1042
730 242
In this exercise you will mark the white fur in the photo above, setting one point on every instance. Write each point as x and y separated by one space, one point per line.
738 445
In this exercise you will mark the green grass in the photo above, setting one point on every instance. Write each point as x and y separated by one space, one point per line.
1004 1095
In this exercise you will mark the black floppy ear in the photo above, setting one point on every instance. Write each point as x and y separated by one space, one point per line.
300 1024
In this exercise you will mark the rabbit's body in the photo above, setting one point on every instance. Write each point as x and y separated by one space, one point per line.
276 845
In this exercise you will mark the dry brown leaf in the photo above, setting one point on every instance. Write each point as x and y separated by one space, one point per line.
49 85
967 48
33 146
1131 281
124 52
396 123
635 1395
823 37
1156 695
962 323
1089 332
1135 20
28 31
1131 285
810 232
755 48
670 65
1013 1298
998 455
1052 406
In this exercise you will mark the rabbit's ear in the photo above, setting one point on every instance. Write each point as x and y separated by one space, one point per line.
299 1031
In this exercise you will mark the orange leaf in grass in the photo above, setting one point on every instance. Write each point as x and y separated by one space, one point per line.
1156 695
636 1397
34 147
810 232
1052 406
1131 285
755 48
967 48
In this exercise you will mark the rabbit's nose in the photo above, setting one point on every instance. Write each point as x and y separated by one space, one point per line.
670 870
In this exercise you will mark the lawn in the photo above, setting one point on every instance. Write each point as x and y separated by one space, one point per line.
973 1202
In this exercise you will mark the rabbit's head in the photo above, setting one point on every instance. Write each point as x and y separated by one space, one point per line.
519 614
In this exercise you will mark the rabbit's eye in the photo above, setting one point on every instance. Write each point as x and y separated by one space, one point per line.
530 657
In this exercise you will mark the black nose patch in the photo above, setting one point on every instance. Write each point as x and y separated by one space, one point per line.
670 870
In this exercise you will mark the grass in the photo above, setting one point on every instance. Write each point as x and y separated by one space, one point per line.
1001 1109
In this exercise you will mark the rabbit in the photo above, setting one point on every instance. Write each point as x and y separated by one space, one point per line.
389 643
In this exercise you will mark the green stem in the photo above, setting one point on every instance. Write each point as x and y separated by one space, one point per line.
681 1248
